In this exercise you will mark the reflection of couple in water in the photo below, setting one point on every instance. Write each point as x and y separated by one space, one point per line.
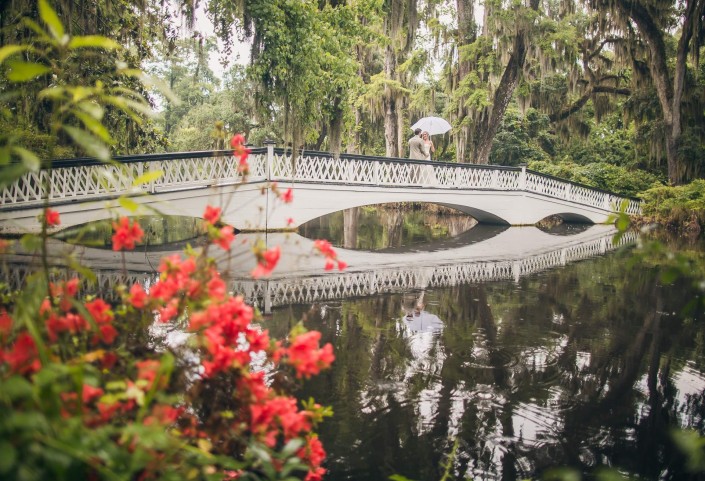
420 320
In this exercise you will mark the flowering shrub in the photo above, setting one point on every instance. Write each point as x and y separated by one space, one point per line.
86 392
71 368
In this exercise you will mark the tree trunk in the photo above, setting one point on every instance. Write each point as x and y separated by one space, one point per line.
391 125
466 36
669 89
335 132
491 119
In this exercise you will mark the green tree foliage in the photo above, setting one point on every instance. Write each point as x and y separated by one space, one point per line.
76 113
133 25
680 206
302 59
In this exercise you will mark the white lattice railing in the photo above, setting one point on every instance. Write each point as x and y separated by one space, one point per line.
292 290
301 290
84 179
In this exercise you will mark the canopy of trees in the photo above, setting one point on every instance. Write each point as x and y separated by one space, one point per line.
617 83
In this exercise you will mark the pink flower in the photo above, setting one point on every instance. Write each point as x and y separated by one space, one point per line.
212 214
288 196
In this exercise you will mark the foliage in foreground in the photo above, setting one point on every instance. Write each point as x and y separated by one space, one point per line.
88 389
682 206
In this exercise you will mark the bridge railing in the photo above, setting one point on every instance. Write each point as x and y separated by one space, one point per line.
87 179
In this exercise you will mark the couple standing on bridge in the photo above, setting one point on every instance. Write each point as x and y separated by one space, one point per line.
421 146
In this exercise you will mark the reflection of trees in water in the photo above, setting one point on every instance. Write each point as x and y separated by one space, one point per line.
380 227
580 359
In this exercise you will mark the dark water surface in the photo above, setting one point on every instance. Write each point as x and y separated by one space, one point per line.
587 365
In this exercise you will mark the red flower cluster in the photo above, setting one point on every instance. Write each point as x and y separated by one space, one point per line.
325 248
126 234
287 196
212 214
189 291
237 142
305 356
266 262
51 217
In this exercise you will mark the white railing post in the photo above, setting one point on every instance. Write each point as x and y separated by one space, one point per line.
522 177
494 182
270 158
376 172
567 191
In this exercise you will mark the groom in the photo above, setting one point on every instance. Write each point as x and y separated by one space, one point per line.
416 146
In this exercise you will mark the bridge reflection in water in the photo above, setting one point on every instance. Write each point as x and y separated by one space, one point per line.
489 254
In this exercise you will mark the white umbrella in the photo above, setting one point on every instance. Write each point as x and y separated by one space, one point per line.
432 125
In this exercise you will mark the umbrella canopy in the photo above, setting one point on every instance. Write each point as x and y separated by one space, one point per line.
432 125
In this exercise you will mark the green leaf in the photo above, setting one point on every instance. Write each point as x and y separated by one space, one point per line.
31 242
128 204
11 173
8 456
669 275
95 127
54 93
8 50
622 222
23 71
51 19
29 158
16 387
93 41
93 109
92 145
148 177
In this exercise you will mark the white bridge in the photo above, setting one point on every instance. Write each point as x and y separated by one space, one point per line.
81 189
299 277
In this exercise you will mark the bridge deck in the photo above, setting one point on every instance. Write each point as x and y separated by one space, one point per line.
80 188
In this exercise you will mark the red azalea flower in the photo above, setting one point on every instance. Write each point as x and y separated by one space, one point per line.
4 246
324 247
126 234
237 142
225 238
100 310
216 288
288 196
267 262
289 221
107 333
243 167
51 217
89 393
305 355
23 358
5 324
212 214
138 297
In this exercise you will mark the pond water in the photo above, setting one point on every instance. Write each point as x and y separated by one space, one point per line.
588 365
486 352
